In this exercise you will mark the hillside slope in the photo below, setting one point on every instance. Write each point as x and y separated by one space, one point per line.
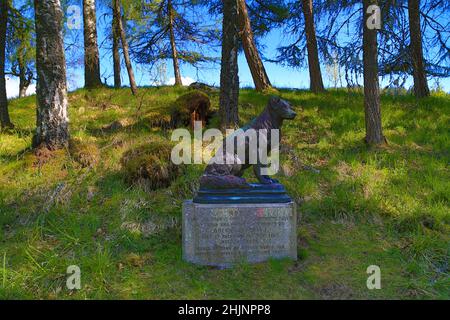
387 206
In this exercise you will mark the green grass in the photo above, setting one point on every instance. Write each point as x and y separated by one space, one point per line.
385 206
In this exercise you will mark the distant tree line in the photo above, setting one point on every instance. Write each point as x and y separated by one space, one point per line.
368 40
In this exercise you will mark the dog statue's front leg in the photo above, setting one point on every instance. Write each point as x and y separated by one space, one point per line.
264 179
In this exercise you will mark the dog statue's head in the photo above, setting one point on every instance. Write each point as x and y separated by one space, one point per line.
281 108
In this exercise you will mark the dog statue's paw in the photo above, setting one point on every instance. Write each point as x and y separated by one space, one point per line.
267 180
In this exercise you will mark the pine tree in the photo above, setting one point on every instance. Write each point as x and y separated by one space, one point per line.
374 133
259 75
229 73
125 48
315 74
116 44
5 121
171 30
91 55
21 46
300 23
420 79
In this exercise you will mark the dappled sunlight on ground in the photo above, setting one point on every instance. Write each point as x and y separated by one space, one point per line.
359 206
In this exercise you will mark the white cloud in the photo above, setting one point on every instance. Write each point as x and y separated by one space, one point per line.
12 87
185 80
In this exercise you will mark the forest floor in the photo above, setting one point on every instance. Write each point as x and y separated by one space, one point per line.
386 206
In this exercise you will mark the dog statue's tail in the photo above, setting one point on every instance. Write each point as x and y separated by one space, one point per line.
208 181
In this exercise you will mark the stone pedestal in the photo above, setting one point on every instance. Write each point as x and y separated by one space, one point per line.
224 234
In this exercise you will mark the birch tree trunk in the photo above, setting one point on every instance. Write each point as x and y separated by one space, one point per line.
420 79
229 77
52 118
374 134
259 75
315 75
91 55
5 121
176 66
126 53
24 78
25 74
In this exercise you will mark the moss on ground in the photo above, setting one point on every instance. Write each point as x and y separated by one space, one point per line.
182 109
86 153
149 165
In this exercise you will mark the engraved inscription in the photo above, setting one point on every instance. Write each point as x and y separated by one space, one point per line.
230 233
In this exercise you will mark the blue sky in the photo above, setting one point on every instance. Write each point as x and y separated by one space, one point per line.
279 75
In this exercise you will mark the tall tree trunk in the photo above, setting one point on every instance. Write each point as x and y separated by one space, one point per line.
24 83
229 77
126 53
22 90
25 74
176 66
315 75
5 121
116 44
420 79
91 55
259 75
52 118
374 133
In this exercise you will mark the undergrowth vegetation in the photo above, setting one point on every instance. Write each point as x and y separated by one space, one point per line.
386 206
149 165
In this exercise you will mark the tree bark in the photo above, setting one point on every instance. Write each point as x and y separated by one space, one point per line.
176 66
420 79
259 75
229 77
91 55
126 53
5 121
116 44
25 74
52 118
22 90
374 133
24 82
315 75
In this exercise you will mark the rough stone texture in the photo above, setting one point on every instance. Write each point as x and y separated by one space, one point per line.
224 234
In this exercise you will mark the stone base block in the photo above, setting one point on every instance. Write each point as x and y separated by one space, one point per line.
224 234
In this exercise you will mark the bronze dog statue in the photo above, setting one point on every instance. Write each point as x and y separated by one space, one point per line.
226 175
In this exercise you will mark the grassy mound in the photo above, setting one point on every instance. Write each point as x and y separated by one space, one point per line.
203 87
157 120
195 101
85 153
149 165
117 125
